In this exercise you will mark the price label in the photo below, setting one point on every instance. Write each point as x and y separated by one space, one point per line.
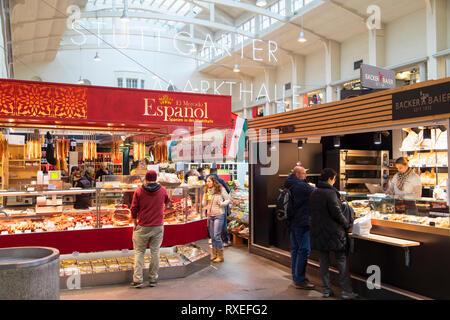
70 228
131 225
4 233
38 230
27 231
88 218
134 185
71 218
75 254
18 231
30 189
107 226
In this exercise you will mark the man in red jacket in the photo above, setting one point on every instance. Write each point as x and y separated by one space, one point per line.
147 210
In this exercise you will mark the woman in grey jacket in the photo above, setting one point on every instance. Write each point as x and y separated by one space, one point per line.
215 200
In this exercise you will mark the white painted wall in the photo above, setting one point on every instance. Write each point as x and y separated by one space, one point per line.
448 23
3 72
315 70
352 50
284 75
406 38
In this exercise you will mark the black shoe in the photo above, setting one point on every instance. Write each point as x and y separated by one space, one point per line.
152 284
327 294
305 286
349 296
136 285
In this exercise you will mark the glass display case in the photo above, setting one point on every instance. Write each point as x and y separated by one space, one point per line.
108 206
46 210
115 195
424 214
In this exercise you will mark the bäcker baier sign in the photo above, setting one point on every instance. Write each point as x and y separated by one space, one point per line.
377 78
421 102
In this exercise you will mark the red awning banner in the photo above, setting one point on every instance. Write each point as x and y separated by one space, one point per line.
83 106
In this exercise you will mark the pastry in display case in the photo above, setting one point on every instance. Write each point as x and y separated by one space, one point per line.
431 214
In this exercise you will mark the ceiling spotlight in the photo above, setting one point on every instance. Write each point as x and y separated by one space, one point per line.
97 57
300 144
236 68
377 138
302 37
427 134
261 3
337 141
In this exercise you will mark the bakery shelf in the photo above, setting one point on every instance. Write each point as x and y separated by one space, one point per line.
411 227
420 149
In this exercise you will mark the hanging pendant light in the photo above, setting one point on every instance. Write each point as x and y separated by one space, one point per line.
377 138
261 3
124 18
236 68
300 144
337 141
427 134
97 57
302 37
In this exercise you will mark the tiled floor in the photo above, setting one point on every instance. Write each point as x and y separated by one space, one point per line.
241 276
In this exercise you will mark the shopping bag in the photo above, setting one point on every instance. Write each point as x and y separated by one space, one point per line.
362 226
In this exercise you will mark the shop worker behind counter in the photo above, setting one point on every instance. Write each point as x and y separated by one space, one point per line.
300 191
147 210
103 171
405 183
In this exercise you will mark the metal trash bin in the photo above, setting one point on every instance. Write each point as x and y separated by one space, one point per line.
29 273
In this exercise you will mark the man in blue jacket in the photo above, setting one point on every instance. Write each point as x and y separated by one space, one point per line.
299 225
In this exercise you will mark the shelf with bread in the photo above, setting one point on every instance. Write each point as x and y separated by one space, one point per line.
426 150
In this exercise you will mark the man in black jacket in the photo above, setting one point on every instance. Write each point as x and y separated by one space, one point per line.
329 229
299 225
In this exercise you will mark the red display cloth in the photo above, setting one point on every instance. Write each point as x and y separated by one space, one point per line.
103 239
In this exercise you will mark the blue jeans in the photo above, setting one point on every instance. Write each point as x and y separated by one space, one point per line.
300 250
215 230
225 226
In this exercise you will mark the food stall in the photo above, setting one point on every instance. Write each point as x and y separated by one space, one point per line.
47 128
360 138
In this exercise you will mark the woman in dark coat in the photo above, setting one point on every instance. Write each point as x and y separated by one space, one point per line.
328 231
